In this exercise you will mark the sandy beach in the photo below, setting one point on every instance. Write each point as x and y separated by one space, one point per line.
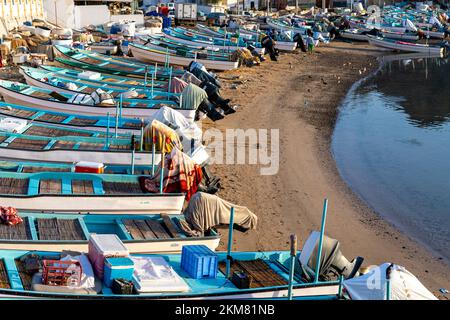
300 95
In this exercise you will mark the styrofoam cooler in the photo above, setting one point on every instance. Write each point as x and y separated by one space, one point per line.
103 246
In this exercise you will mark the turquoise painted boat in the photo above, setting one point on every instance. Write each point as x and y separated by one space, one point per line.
43 166
71 120
113 65
115 82
146 54
23 94
74 192
178 284
59 82
22 140
139 233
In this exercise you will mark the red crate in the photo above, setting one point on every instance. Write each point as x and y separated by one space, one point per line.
60 273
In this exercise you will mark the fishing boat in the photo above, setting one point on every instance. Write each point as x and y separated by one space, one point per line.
19 93
188 37
146 233
74 192
354 34
160 43
59 82
247 34
405 46
33 166
233 41
72 120
146 54
113 64
42 142
399 35
269 270
282 26
113 82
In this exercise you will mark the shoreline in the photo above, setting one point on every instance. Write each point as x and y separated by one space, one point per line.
301 95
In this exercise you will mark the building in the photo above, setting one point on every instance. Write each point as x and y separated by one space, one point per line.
14 12
78 14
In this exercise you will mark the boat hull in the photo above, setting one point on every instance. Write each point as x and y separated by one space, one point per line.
305 292
72 156
11 96
144 246
405 47
400 36
151 56
209 45
121 204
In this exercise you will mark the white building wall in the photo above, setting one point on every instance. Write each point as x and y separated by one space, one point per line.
86 15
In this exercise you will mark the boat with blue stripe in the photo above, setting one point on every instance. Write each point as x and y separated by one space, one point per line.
146 233
75 192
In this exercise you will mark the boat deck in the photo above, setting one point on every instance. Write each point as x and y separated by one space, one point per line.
69 185
60 118
256 263
47 228
262 275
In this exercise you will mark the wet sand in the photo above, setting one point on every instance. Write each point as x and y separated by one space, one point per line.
300 95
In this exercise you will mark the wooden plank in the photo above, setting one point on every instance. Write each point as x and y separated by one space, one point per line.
157 229
145 229
169 225
50 186
132 229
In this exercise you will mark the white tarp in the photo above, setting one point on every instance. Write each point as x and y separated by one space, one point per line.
154 274
190 134
409 25
372 285
12 124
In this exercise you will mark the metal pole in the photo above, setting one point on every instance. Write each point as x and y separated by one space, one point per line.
132 153
341 282
145 76
121 106
230 242
107 130
319 249
153 151
169 87
117 119
153 83
161 181
141 144
291 270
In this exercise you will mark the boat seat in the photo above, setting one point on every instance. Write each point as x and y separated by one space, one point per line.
36 285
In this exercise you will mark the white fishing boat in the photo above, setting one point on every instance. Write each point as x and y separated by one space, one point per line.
18 93
353 34
400 35
405 46
145 54
70 192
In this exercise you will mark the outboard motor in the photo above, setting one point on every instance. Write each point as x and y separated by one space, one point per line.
332 262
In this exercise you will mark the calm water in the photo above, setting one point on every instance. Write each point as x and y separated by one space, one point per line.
392 146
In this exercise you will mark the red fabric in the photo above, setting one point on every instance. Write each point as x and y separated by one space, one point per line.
9 216
181 175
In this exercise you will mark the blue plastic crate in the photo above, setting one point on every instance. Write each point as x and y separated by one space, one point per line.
199 261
